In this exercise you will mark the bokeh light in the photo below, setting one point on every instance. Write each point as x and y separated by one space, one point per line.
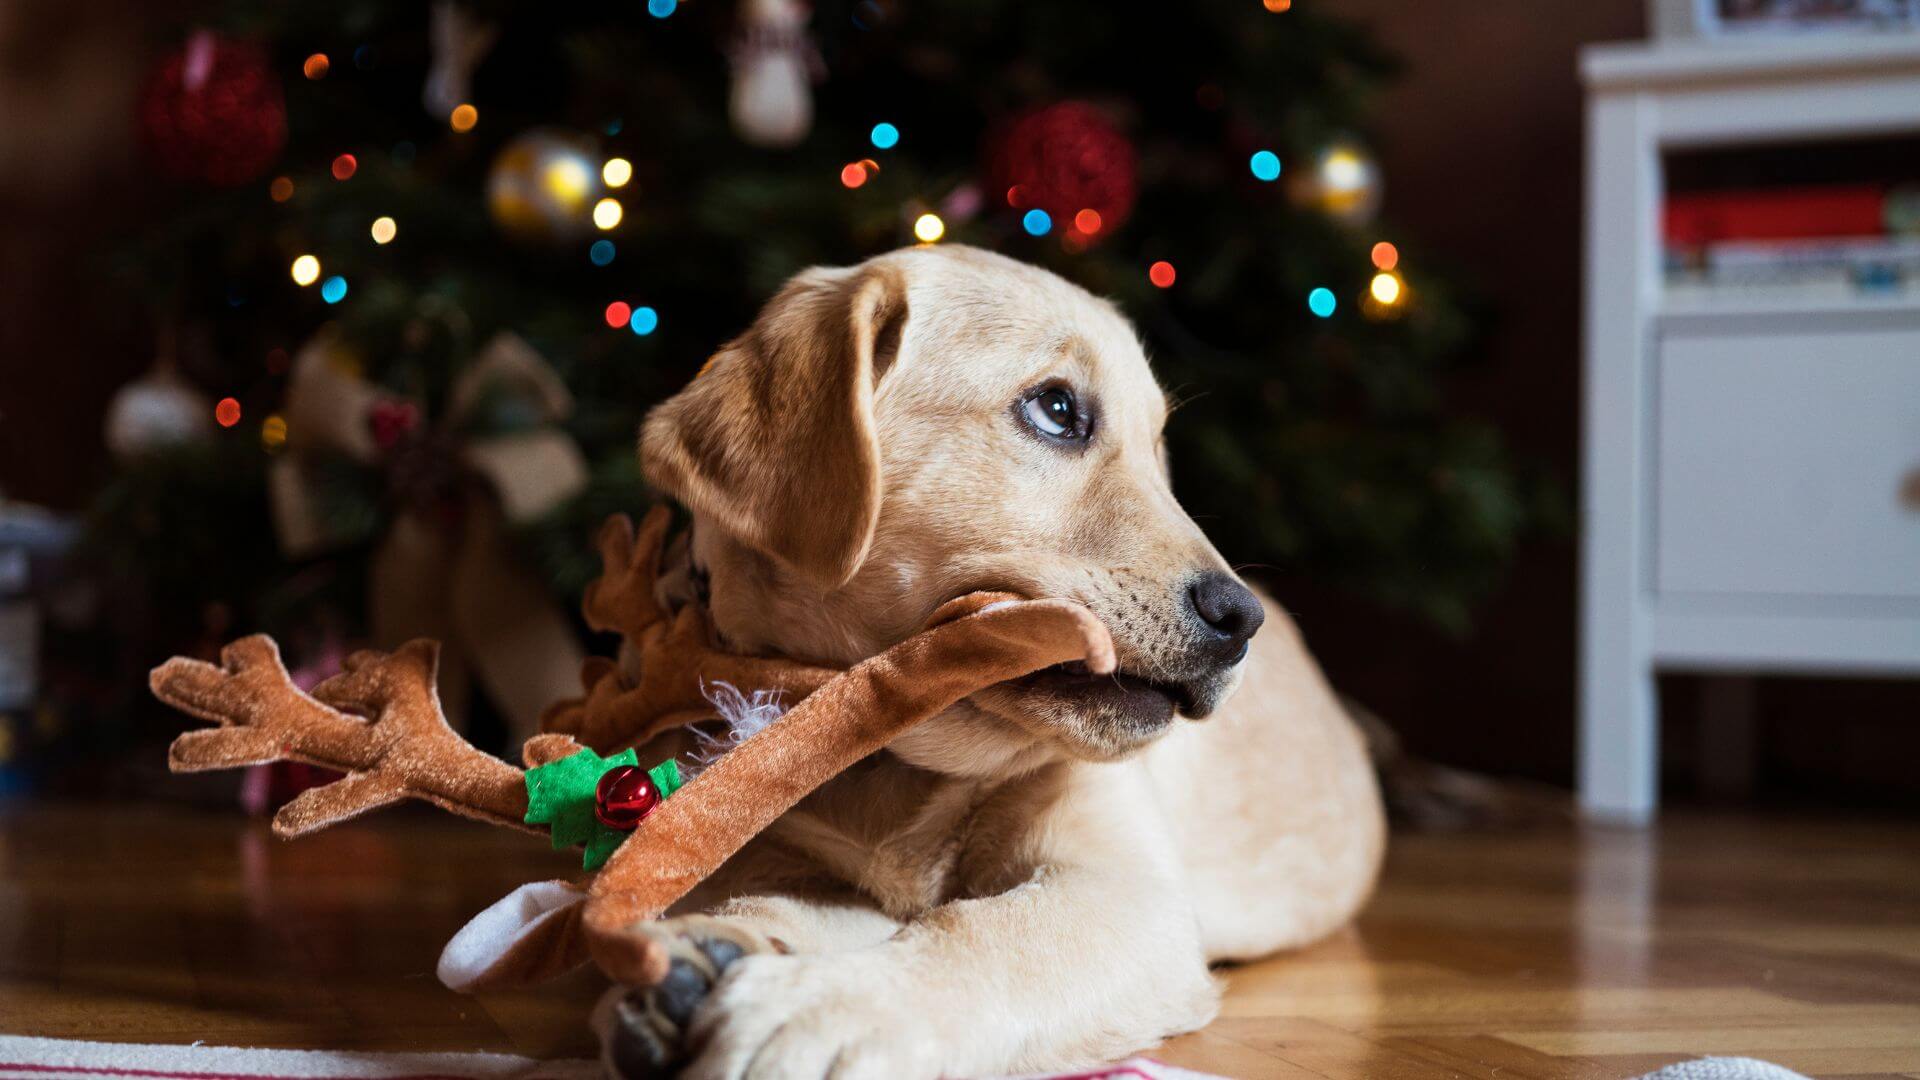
644 321
227 413
384 229
344 166
1016 195
1321 302
929 228
281 189
853 175
660 9
1037 222
885 136
273 433
617 313
1265 165
463 117
1385 256
607 213
616 172
1161 274
316 66
1277 6
602 252
334 289
306 270
1087 221
1386 287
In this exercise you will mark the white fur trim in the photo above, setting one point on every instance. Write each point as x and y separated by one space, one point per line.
488 935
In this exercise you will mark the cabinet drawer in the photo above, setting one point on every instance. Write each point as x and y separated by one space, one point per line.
1780 460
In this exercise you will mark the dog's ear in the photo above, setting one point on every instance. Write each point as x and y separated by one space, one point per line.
775 438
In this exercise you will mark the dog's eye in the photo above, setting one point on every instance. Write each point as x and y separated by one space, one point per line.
1053 412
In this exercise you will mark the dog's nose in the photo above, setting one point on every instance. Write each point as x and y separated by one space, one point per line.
1228 609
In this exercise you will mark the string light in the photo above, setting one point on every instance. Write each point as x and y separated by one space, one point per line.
281 189
601 253
1037 222
644 321
334 289
1386 288
227 413
606 213
344 165
1265 165
306 270
1321 302
316 66
929 228
384 229
1016 195
660 9
884 136
1161 274
1087 221
273 433
853 175
463 117
1385 256
616 172
1277 6
618 313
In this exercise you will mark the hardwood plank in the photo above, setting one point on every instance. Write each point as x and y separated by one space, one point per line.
1555 955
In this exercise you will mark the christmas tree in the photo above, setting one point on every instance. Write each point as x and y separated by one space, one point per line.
427 267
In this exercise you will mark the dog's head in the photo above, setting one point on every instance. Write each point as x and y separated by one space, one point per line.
936 421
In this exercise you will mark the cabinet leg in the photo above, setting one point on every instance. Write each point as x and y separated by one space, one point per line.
1619 745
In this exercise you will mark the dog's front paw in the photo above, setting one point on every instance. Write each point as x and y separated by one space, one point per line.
850 1016
643 1033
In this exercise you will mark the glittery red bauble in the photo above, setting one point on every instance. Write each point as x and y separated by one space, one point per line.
213 112
624 795
1066 158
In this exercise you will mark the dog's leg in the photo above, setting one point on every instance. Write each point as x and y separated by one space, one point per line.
1096 954
643 1032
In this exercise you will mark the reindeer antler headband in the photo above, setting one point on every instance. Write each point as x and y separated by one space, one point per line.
379 722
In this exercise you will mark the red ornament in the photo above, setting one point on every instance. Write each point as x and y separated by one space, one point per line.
624 796
1069 160
214 112
392 420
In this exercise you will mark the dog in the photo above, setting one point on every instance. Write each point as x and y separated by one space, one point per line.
1040 877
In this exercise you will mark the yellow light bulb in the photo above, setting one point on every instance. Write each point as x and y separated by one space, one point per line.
929 228
306 270
383 229
1386 288
1343 170
606 213
616 172
273 433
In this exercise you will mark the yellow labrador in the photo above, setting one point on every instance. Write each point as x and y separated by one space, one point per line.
1040 877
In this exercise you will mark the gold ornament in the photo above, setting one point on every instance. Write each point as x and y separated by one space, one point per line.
543 186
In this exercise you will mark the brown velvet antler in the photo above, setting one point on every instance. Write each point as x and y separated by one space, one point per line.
378 721
676 655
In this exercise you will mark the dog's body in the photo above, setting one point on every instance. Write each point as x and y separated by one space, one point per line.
1039 877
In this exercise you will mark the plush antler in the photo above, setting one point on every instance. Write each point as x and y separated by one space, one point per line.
378 721
676 655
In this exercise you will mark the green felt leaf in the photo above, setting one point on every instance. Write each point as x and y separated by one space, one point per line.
601 847
666 777
560 795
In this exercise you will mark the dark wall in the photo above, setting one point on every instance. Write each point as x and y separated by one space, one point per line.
1481 146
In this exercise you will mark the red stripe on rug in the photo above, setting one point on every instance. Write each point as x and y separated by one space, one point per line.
107 1070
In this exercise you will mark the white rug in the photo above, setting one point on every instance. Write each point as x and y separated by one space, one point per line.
23 1058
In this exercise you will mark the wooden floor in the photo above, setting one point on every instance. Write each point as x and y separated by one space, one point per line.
1552 954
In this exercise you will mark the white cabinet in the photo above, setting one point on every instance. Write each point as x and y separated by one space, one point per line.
1749 471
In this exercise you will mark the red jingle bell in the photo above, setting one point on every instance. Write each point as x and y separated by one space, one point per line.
624 796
